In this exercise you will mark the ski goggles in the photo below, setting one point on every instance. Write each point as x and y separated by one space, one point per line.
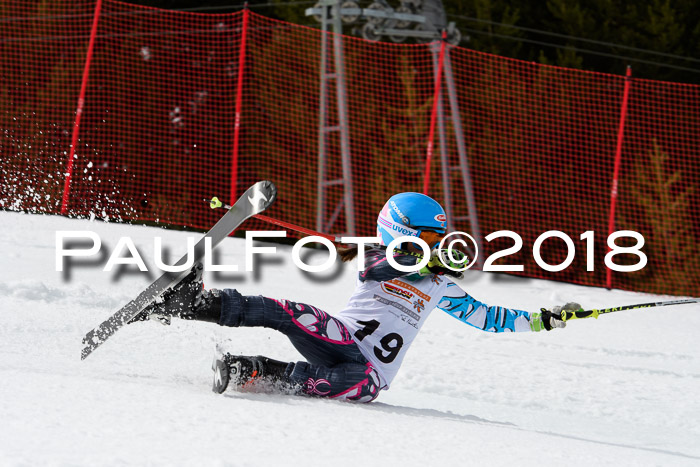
431 237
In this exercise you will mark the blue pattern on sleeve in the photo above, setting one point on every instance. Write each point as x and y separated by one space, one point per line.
471 311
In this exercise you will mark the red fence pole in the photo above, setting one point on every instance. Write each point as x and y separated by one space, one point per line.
433 116
239 99
79 110
616 171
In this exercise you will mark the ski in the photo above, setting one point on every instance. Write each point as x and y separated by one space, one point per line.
255 200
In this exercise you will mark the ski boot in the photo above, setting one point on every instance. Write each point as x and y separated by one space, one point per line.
241 372
186 300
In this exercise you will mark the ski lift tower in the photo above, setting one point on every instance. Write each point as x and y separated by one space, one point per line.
424 21
327 12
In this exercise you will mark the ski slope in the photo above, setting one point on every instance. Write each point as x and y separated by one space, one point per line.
620 390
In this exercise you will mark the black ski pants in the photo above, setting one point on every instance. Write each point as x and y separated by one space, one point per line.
334 365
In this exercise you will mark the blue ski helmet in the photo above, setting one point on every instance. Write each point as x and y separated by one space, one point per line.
408 214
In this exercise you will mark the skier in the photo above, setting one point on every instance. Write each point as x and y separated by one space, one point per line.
356 353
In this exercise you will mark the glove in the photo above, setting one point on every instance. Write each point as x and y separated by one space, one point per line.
552 319
440 258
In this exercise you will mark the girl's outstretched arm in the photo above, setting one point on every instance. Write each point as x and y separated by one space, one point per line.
469 310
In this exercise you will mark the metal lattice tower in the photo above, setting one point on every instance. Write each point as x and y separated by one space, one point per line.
330 13
420 20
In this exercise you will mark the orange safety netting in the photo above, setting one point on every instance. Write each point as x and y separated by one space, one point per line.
158 134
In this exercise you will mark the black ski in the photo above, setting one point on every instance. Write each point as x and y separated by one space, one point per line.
255 200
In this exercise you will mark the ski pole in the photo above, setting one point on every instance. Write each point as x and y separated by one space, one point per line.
215 203
580 314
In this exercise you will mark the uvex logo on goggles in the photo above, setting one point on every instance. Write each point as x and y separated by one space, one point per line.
402 229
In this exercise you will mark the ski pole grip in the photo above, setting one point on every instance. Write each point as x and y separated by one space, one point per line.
568 315
579 314
215 203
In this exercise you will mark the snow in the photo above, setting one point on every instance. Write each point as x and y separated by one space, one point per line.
620 390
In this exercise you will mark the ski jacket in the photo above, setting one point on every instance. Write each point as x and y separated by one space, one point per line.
389 307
